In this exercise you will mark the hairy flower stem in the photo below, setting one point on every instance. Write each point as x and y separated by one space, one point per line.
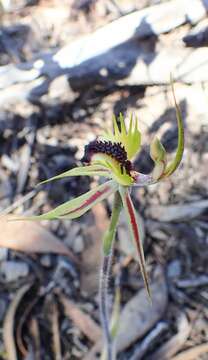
108 242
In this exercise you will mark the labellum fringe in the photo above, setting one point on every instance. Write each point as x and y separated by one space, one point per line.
114 150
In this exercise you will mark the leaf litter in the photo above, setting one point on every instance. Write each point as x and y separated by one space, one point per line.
178 231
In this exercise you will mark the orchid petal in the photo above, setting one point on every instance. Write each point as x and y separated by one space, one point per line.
89 170
76 207
115 126
122 124
180 148
130 139
134 231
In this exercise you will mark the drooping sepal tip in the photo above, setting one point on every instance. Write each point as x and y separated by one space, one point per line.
135 234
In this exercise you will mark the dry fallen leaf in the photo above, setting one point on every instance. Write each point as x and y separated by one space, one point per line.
138 316
177 212
56 330
35 334
24 350
91 258
193 353
82 320
30 237
172 346
8 326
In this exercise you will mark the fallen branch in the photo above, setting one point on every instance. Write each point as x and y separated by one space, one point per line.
112 54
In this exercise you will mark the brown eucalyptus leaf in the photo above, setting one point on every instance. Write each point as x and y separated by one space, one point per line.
56 330
193 353
178 212
82 320
172 346
8 326
91 258
30 237
139 315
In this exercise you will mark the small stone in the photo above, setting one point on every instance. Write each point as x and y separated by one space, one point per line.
46 260
3 253
73 231
78 245
174 269
13 270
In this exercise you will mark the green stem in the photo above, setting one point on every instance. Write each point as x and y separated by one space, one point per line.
110 233
108 242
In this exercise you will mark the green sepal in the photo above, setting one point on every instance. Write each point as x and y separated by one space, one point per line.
76 207
135 233
180 148
89 170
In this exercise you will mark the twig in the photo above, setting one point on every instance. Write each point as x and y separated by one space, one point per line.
149 340
174 344
19 202
195 282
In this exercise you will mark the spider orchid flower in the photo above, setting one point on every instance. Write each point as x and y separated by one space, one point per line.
110 156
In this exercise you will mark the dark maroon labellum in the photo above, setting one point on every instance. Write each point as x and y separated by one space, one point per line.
115 150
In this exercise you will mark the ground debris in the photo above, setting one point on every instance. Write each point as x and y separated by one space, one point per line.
9 323
172 346
39 241
83 321
13 270
46 119
138 320
193 353
178 212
